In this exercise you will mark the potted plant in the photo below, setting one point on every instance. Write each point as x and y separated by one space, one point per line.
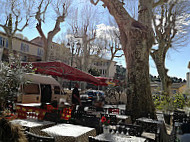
105 124
164 103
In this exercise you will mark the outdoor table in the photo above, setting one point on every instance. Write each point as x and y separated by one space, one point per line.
122 107
125 118
119 138
69 133
30 104
33 125
163 133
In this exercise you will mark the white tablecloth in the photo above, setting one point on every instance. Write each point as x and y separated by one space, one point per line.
34 125
119 138
70 132
30 104
121 107
31 122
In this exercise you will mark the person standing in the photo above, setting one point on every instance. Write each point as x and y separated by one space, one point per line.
76 96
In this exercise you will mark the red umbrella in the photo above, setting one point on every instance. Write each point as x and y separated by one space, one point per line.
63 70
104 81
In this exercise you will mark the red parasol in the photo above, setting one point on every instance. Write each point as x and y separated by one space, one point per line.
63 70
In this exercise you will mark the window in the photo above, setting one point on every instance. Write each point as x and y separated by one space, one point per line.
100 71
24 47
40 52
7 43
3 42
57 90
31 89
24 58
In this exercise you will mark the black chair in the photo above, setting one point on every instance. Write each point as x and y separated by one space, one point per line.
54 103
78 114
91 139
179 116
150 128
36 138
134 130
52 116
113 119
94 122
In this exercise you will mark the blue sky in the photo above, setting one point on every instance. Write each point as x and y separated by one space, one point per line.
176 61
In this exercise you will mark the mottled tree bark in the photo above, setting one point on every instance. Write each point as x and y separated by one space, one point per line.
159 58
139 96
137 40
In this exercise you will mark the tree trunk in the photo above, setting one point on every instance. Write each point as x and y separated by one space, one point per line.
159 60
85 60
139 98
108 67
10 47
45 49
48 48
137 40
10 44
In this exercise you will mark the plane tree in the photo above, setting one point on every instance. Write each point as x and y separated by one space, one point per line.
170 23
83 28
137 39
15 16
111 37
60 8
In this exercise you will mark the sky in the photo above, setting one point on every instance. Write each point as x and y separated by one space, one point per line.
176 61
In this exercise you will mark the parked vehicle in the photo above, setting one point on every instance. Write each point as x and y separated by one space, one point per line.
90 96
41 88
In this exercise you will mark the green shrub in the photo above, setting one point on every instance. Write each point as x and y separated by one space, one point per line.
169 103
178 101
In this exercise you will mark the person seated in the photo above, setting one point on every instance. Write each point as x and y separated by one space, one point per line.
186 132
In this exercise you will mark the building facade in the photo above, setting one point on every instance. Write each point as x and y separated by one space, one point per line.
102 64
175 88
28 51
59 52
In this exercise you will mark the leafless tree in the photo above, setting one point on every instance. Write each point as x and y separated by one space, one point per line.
111 36
15 16
60 8
83 25
171 23
137 38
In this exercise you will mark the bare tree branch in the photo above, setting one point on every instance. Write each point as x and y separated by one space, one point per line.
160 2
95 3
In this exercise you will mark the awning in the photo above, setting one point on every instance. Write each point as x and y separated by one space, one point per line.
63 70
105 81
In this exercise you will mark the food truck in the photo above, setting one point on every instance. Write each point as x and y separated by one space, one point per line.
40 88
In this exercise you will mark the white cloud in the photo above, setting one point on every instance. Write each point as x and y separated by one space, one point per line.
106 31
